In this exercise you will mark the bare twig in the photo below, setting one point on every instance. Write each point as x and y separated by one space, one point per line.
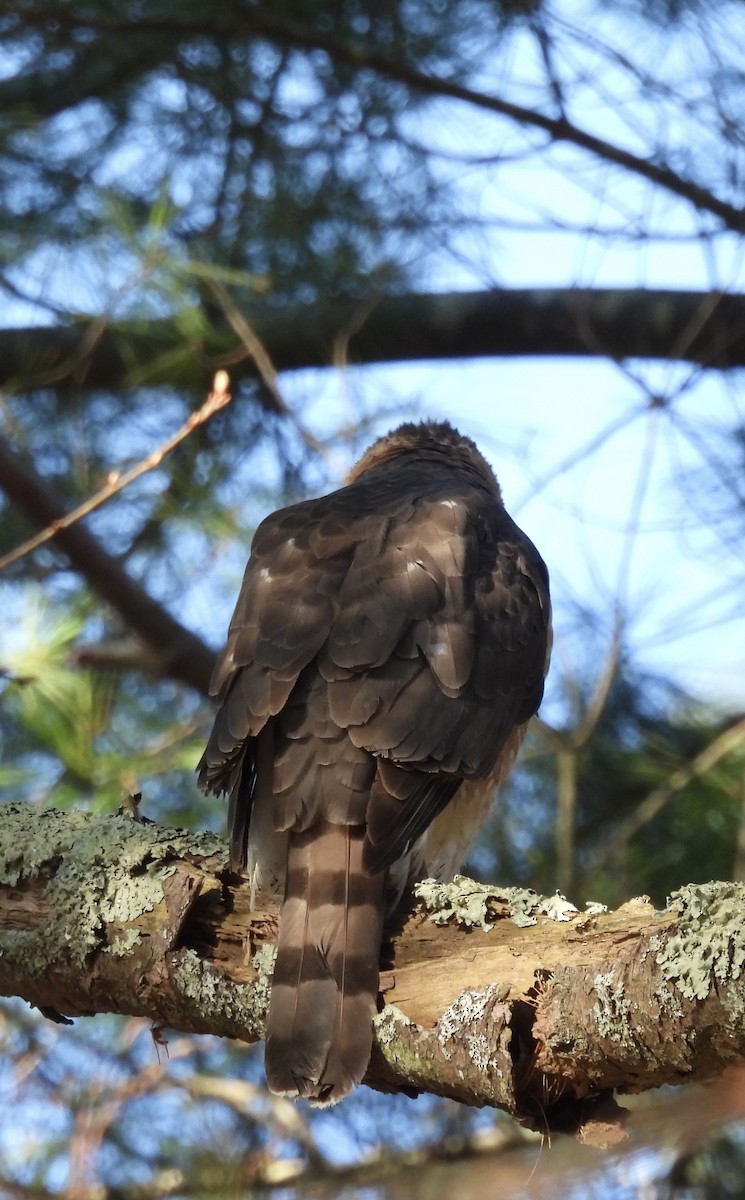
117 481
600 692
566 744
358 317
178 652
259 355
566 807
738 869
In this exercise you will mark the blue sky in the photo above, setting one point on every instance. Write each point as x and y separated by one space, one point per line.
636 522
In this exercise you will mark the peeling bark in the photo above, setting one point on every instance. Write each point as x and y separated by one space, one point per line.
488 995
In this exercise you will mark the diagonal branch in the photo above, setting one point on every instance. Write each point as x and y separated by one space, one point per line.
254 349
117 480
731 740
357 55
179 652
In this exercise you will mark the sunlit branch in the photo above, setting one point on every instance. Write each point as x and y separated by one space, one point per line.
179 653
118 480
162 930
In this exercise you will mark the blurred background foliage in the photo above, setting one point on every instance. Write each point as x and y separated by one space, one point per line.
165 166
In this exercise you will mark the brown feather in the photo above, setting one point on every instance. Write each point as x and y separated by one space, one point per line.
325 985
388 646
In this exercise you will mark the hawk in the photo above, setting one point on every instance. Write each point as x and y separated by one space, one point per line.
387 651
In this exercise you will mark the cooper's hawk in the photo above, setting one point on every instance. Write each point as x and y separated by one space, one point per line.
387 650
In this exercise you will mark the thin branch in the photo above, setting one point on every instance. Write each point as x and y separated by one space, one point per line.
559 128
596 704
357 54
117 481
633 522
100 1109
252 345
277 1114
577 455
566 807
567 745
178 652
259 355
738 869
732 739
546 48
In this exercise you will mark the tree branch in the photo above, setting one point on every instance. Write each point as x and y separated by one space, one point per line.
392 65
181 654
498 1004
730 740
706 328
559 129
117 481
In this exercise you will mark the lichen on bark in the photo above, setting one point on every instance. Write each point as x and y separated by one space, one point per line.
98 873
708 943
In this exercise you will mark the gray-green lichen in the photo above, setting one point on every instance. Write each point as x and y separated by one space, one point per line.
263 963
402 1043
123 943
238 1009
612 1010
557 907
388 1021
102 870
132 896
463 900
462 1025
708 942
467 903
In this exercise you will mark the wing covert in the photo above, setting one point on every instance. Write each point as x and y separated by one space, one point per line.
425 610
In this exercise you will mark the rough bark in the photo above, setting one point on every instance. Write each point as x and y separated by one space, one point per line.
489 995
707 328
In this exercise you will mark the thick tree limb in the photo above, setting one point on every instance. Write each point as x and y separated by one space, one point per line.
699 327
111 915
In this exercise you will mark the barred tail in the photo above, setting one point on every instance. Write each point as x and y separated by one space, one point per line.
325 986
